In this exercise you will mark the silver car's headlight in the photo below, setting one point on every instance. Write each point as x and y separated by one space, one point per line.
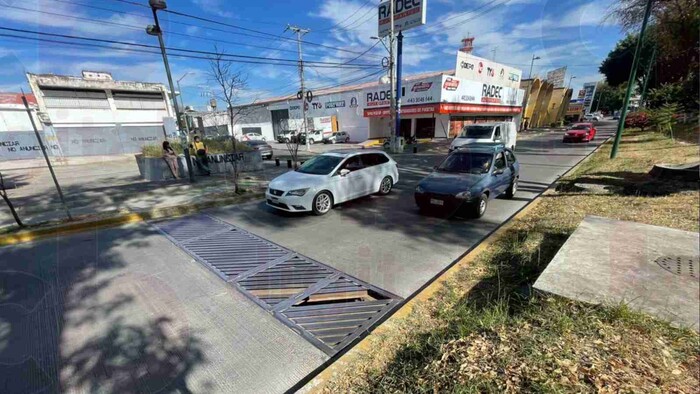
297 192
464 195
419 189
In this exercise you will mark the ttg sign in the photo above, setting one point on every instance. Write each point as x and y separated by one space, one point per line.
407 15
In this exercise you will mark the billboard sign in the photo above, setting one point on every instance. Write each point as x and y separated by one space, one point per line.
407 15
473 92
419 91
589 88
474 68
556 77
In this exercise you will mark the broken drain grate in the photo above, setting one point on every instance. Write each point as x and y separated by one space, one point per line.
680 265
327 307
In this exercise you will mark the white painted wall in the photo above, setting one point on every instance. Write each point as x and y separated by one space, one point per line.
15 119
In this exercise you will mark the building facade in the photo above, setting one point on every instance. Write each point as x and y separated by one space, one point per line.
93 115
433 105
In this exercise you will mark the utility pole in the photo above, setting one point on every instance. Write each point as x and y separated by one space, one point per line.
630 82
642 101
532 63
570 78
156 31
300 32
393 141
399 56
182 101
600 98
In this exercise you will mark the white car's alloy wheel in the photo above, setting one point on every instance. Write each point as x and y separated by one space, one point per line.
322 203
385 187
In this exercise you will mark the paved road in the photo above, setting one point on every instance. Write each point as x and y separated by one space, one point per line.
385 241
126 310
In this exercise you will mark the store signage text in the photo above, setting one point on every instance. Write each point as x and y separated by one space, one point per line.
491 93
381 97
335 104
421 86
451 84
466 65
407 15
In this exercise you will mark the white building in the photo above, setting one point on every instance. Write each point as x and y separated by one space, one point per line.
433 105
17 137
96 115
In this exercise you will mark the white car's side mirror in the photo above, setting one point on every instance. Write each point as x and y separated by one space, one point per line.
344 172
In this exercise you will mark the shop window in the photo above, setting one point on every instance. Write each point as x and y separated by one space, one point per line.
425 128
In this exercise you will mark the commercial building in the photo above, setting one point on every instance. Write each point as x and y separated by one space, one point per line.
89 115
433 105
546 105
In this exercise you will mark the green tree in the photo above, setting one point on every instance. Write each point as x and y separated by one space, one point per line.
616 67
609 99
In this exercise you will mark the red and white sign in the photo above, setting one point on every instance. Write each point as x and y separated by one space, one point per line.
450 84
475 68
421 86
444 108
407 15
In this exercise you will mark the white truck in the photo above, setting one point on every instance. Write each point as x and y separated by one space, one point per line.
505 133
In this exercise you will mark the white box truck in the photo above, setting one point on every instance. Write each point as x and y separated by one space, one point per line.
505 133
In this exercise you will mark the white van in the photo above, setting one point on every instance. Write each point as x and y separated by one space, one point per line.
498 132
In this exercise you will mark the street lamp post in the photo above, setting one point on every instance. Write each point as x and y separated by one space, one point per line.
182 102
155 30
532 63
570 78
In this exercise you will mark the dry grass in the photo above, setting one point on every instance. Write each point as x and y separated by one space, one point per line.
485 331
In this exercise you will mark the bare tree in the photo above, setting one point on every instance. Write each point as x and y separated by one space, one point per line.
231 83
293 143
3 193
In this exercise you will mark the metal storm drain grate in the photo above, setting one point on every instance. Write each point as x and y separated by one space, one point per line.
327 307
680 265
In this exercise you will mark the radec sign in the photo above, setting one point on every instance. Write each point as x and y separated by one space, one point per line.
407 15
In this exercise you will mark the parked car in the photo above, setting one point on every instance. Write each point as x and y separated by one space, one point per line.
468 178
499 132
286 136
339 136
580 132
262 146
317 136
332 178
253 137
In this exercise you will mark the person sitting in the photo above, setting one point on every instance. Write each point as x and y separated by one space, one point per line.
170 158
202 160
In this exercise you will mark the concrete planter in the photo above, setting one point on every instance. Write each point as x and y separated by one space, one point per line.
156 169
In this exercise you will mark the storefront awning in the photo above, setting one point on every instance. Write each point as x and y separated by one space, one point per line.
444 108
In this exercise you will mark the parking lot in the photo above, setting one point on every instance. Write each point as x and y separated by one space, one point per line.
129 295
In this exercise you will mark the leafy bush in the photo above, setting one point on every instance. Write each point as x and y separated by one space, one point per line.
638 120
219 145
664 118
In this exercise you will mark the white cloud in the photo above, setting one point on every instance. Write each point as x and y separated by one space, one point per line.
217 7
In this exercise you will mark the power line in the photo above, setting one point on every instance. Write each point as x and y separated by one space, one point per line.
444 27
141 28
185 50
133 50
260 34
348 17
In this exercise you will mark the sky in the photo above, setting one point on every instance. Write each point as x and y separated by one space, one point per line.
573 33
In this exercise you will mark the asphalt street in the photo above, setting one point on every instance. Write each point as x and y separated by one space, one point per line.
385 240
124 309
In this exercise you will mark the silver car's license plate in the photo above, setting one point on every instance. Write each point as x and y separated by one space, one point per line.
436 202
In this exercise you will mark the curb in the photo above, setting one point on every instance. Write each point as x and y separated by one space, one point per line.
315 382
24 236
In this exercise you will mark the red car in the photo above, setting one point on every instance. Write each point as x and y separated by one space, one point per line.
580 132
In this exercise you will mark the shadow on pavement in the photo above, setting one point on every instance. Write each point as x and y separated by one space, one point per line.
76 317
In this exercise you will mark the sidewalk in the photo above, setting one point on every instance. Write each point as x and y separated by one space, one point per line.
103 188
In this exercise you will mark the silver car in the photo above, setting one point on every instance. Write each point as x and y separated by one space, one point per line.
339 136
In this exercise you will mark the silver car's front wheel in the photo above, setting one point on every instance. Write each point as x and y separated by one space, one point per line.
385 186
323 202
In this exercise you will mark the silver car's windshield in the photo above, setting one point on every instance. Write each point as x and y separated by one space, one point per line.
320 165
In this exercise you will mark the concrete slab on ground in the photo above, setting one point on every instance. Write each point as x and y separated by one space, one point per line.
652 269
125 310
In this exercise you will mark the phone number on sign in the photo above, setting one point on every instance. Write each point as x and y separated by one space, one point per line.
415 100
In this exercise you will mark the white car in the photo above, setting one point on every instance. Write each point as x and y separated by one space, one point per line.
332 178
253 137
487 133
340 136
591 117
